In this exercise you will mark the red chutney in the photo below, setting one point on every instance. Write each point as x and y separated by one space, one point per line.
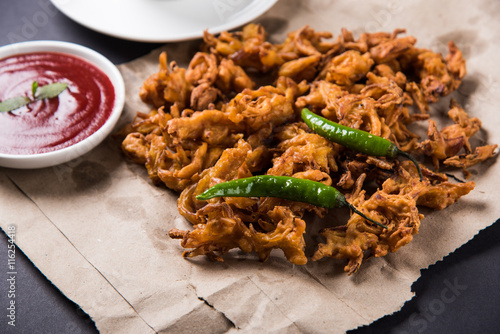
51 124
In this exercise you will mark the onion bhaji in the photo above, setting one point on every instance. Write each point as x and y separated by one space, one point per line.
212 123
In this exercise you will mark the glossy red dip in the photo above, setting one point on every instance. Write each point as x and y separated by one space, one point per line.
52 124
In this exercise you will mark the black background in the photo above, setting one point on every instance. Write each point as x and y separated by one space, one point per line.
473 269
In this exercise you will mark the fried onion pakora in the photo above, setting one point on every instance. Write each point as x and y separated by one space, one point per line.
211 123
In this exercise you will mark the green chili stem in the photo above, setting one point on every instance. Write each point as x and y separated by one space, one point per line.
408 156
365 217
353 208
454 177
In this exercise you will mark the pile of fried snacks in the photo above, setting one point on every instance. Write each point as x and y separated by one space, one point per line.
235 113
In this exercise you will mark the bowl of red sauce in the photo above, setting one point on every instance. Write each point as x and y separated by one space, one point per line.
52 131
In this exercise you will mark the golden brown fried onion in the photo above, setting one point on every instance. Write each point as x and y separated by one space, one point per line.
212 124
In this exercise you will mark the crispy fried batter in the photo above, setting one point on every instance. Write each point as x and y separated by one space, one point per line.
464 161
388 51
254 109
247 48
212 124
168 86
394 205
232 78
439 76
304 68
347 68
233 164
223 231
451 139
304 151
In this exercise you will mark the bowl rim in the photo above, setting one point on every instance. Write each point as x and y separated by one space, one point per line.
52 158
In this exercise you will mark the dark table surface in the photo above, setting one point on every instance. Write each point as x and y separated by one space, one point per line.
460 294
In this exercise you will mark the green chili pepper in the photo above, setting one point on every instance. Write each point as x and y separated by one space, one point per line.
354 139
290 188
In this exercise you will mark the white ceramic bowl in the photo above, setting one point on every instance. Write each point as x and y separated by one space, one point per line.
40 160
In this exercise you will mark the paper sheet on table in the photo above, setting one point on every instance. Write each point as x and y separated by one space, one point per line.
97 227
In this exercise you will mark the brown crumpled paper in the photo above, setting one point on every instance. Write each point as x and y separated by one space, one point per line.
97 227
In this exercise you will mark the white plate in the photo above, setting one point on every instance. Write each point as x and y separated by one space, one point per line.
40 160
162 20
